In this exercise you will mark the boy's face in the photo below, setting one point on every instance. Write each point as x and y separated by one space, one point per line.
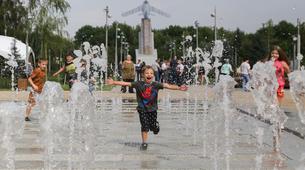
43 65
148 75
69 58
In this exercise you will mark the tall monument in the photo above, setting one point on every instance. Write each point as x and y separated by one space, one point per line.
146 51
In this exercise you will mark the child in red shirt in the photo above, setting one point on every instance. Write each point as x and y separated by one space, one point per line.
36 80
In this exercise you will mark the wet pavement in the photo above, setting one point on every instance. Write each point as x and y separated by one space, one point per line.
188 139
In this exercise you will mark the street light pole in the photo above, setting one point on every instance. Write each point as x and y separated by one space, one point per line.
106 26
174 49
116 50
299 55
4 24
106 42
294 39
27 52
4 19
215 22
299 37
126 48
27 45
197 25
183 45
121 50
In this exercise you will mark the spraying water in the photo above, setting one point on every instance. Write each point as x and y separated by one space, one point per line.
264 83
223 90
95 67
82 127
297 89
54 122
12 66
11 128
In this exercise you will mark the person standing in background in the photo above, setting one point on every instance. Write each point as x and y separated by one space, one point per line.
128 73
163 70
245 73
180 71
156 68
226 69
138 69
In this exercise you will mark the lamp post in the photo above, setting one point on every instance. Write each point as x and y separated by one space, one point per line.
196 26
106 42
27 43
7 13
124 49
122 37
116 49
172 49
299 55
267 26
299 37
215 22
183 45
4 19
127 48
294 40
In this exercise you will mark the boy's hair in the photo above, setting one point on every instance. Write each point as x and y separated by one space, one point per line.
146 67
42 60
83 61
71 54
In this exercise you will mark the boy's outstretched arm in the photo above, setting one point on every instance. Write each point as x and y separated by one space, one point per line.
120 83
174 87
59 71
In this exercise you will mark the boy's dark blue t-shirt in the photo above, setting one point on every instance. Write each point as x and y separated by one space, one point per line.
147 95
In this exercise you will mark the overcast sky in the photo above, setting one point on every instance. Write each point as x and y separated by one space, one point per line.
248 15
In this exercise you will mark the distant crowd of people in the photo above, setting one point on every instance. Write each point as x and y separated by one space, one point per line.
173 71
177 71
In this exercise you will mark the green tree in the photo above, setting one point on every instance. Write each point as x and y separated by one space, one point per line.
12 20
237 44
48 17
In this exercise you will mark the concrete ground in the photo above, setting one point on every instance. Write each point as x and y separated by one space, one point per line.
189 139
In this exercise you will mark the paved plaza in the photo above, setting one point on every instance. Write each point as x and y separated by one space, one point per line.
184 142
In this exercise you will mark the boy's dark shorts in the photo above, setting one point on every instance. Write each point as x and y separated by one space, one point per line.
148 121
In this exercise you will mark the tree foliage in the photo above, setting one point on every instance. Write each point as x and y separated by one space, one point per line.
238 44
43 20
12 20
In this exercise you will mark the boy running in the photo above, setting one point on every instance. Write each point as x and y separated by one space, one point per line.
69 68
36 80
147 96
